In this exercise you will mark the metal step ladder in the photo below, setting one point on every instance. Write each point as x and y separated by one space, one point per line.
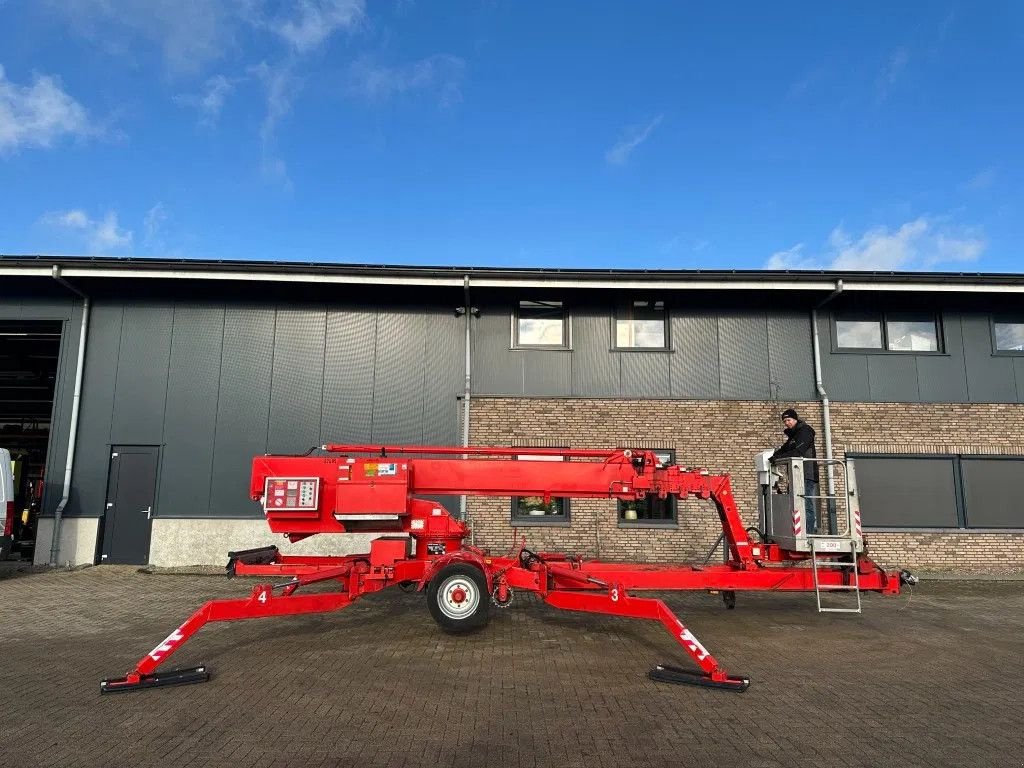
817 562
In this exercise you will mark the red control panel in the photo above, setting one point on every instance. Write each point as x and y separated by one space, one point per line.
291 494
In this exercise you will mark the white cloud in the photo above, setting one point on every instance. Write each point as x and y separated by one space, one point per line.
897 63
440 74
37 115
956 249
892 72
981 180
681 243
153 224
791 258
316 20
878 248
74 219
189 35
100 235
210 101
631 139
923 243
280 85
799 87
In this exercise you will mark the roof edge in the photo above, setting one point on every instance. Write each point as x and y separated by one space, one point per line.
277 271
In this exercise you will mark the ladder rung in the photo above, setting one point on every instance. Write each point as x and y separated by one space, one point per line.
831 564
817 561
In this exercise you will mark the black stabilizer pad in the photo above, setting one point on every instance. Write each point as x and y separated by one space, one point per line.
258 556
156 680
663 673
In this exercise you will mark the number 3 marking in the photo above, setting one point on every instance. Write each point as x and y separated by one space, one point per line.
615 595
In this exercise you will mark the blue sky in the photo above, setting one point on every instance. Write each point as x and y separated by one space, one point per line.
652 135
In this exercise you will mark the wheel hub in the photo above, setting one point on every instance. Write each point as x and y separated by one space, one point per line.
458 598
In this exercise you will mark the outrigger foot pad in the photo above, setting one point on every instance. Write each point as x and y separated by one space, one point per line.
257 556
155 680
663 673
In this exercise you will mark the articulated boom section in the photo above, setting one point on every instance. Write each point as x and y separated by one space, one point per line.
422 546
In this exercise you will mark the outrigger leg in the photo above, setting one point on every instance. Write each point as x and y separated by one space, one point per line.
617 602
260 604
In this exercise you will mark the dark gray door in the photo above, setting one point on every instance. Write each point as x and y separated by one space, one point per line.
131 491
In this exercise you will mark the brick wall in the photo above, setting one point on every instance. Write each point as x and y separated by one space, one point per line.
723 436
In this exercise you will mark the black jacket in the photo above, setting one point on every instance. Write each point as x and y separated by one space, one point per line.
800 442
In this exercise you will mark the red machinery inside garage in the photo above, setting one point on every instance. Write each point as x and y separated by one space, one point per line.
421 544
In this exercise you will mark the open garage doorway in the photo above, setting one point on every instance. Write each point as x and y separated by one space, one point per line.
29 355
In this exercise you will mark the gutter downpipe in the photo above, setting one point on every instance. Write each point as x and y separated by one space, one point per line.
75 408
466 393
826 412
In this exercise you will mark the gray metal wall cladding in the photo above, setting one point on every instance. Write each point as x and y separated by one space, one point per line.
966 372
741 355
190 413
214 385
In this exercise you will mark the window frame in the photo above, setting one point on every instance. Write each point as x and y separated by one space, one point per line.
671 522
666 324
883 319
563 520
566 344
1004 317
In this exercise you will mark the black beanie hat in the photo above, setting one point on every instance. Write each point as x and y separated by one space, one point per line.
789 413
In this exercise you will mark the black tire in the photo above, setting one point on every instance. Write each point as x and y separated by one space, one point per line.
459 580
729 598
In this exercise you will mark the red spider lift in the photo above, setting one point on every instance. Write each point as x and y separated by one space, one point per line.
422 546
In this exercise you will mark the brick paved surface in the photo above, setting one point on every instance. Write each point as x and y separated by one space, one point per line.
931 680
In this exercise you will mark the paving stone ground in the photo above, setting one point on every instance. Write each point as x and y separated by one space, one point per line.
932 679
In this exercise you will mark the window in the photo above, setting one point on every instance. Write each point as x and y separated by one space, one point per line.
641 324
540 324
942 491
858 334
652 510
1008 334
891 332
911 334
532 510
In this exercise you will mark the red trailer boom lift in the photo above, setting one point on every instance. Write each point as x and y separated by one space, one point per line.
421 544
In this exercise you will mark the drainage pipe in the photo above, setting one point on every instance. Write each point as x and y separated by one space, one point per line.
75 408
467 310
826 411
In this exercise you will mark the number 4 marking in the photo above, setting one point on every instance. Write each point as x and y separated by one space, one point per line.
262 598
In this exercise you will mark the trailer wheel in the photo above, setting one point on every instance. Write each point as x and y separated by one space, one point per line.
458 599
